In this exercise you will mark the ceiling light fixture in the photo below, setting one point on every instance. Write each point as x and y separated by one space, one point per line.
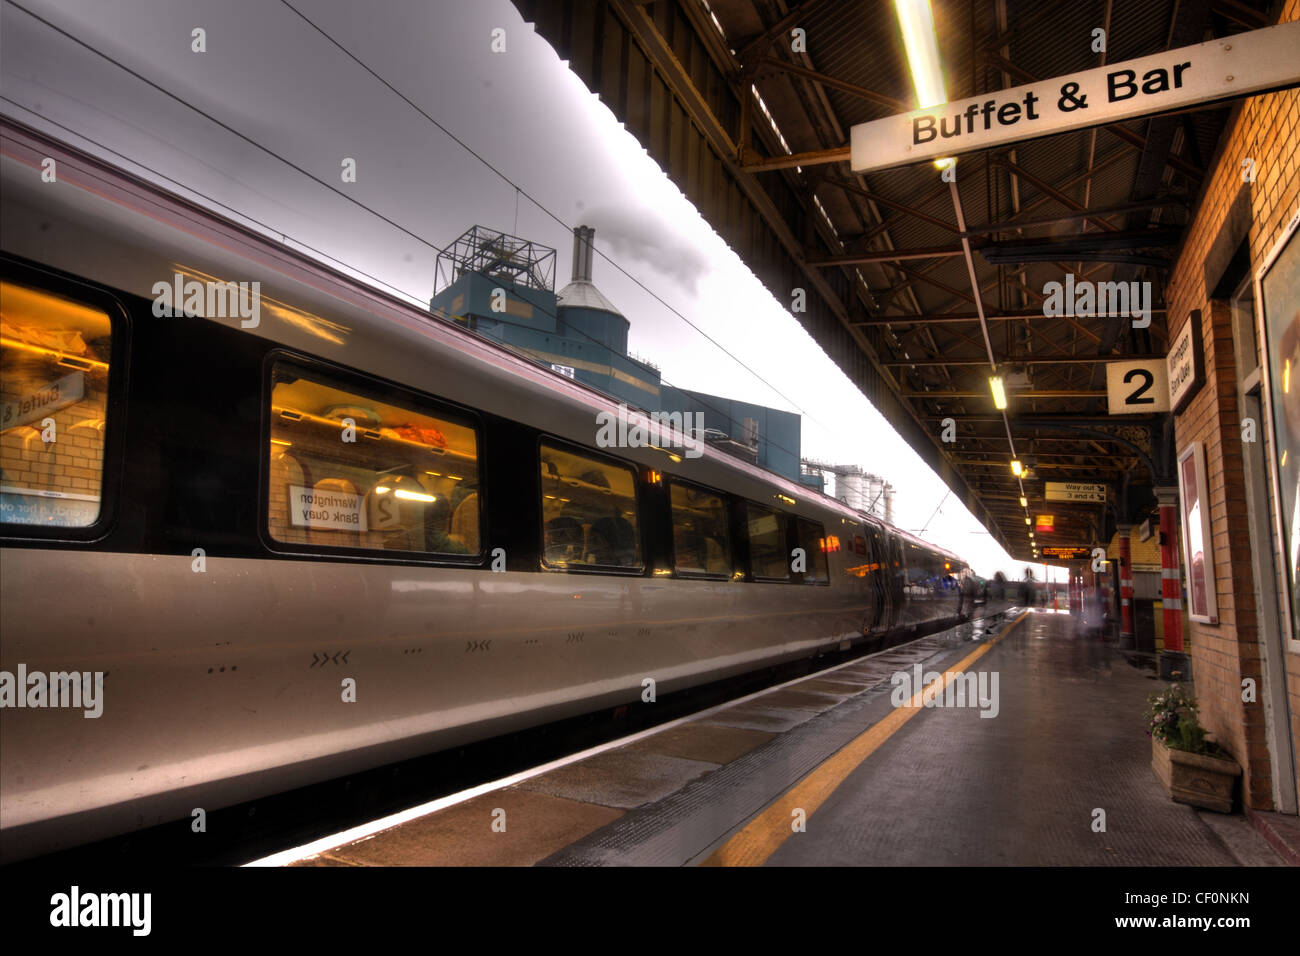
916 20
999 392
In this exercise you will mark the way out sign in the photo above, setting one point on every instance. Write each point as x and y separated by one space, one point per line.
1074 491
1137 388
1220 69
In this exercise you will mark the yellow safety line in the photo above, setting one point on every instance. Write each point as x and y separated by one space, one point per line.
763 835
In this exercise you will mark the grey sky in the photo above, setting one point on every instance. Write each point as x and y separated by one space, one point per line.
269 75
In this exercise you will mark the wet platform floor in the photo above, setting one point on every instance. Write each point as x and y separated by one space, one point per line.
828 771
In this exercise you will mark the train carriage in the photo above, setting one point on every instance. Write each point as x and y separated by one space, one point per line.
336 531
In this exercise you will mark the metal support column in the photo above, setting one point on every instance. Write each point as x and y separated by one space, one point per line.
1126 639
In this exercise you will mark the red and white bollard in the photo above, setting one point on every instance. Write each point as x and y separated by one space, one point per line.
1174 663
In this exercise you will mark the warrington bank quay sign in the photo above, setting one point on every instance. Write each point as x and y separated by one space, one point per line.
1221 69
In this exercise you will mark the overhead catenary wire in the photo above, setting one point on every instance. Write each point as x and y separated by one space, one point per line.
270 231
936 511
367 208
284 237
351 199
454 138
226 126
358 203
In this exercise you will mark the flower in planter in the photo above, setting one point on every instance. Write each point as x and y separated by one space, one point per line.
1172 719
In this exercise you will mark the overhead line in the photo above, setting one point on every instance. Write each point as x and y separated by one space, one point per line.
356 202
286 238
269 229
411 103
270 152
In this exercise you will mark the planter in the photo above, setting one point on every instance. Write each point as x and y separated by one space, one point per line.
1195 779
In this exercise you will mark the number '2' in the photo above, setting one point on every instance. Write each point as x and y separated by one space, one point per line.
1135 397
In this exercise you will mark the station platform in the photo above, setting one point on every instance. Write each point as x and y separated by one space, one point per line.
850 767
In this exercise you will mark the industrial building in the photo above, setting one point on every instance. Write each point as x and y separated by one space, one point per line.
503 287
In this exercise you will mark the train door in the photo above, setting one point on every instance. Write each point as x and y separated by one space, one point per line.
952 582
878 562
921 591
897 569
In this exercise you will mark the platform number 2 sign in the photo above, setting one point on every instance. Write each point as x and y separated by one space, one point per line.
1137 388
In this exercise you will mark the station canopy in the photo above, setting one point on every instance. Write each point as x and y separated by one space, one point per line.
749 106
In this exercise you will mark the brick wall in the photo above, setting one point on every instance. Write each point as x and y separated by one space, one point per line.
73 462
1266 129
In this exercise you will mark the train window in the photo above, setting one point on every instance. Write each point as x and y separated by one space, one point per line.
815 543
54 358
359 468
767 543
919 569
701 543
589 517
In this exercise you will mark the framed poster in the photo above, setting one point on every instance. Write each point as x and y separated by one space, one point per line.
1198 554
1277 293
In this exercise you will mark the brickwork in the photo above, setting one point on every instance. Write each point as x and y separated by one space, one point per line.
52 350
1267 130
72 463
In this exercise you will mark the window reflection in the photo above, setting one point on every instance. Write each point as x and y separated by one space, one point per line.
54 358
588 512
701 543
815 544
397 478
767 543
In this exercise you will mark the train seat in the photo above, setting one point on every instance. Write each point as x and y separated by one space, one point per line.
564 540
612 541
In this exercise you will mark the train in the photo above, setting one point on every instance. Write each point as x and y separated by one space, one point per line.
264 525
